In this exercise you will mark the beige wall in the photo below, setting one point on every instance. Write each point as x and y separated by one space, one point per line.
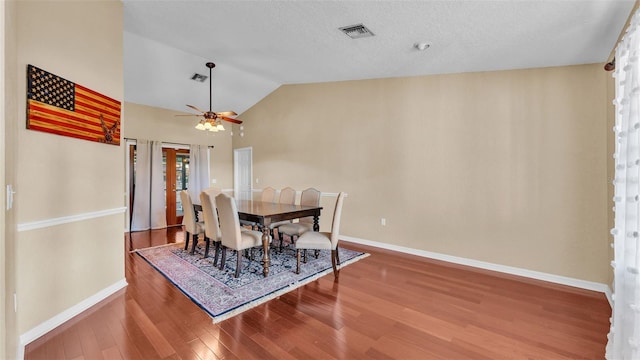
3 322
10 146
505 167
59 266
152 123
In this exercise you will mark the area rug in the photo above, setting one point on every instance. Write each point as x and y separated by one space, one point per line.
222 295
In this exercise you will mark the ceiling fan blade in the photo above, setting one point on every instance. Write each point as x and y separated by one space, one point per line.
188 115
195 108
226 113
235 121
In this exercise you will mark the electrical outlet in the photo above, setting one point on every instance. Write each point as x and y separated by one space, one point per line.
383 222
213 181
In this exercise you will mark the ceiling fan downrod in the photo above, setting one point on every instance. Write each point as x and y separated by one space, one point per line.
210 65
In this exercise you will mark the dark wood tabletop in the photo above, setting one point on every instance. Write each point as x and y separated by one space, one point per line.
265 213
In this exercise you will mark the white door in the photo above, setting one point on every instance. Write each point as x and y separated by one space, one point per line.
243 173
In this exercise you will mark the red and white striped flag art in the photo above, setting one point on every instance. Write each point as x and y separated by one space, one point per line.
59 106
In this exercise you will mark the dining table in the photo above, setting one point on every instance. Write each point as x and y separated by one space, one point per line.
266 213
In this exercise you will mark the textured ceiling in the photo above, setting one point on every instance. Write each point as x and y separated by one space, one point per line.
260 45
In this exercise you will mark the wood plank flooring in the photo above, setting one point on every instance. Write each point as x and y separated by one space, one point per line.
387 306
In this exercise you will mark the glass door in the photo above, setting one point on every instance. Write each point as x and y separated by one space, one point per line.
176 172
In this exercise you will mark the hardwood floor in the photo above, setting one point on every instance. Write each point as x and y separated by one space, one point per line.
387 306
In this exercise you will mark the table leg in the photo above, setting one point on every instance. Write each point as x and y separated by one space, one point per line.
265 251
316 224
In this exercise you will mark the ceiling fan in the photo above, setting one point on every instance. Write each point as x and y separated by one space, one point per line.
212 120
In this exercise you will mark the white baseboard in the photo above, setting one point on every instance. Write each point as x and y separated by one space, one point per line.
609 294
66 315
563 280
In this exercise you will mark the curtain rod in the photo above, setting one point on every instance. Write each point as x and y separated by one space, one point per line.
170 143
611 65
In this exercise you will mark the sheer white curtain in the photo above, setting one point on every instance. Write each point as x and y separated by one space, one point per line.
198 171
149 199
624 335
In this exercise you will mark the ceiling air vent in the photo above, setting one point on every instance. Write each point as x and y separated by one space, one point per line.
357 31
199 77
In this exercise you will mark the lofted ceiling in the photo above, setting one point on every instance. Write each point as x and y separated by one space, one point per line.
259 45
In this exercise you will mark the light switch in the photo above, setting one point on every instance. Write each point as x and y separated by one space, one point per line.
10 193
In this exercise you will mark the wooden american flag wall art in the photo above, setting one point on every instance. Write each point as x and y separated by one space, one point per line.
58 106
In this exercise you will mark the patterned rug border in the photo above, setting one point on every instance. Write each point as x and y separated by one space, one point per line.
153 247
253 303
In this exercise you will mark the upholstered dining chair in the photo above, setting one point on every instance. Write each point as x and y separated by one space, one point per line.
309 197
287 196
268 194
233 236
314 240
192 227
214 191
211 224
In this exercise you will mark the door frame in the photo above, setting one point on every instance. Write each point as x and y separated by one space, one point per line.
237 166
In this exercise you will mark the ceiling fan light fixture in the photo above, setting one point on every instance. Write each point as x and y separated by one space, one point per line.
220 127
200 126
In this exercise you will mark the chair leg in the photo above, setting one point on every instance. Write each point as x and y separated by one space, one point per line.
337 255
186 240
316 253
207 242
304 255
334 260
297 261
238 263
272 233
195 242
215 257
292 240
224 257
